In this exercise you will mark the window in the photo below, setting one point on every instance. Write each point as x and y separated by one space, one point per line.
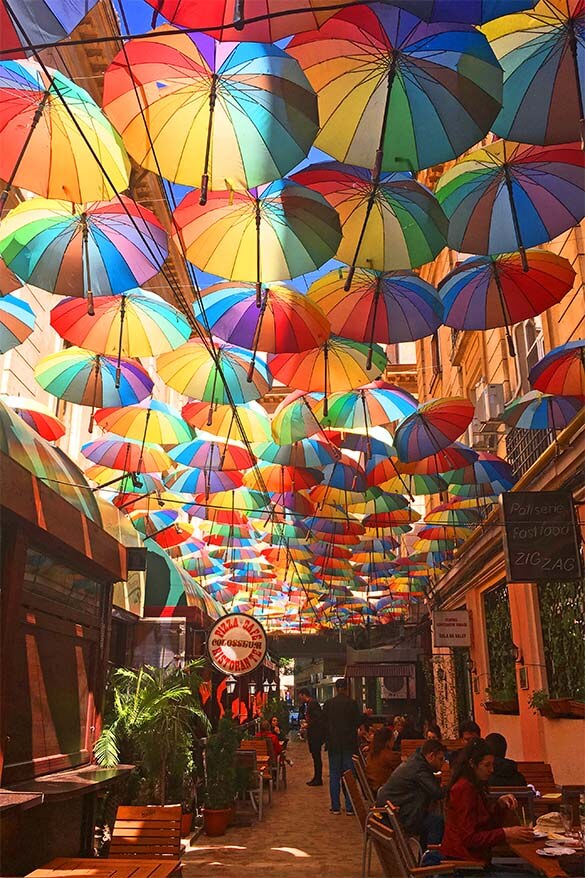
563 634
529 345
435 353
498 625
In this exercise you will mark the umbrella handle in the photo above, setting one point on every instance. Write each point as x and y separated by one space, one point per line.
239 15
204 188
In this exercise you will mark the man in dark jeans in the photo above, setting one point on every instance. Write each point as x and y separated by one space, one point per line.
315 734
342 718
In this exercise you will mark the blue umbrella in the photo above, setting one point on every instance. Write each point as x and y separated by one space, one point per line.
38 22
541 411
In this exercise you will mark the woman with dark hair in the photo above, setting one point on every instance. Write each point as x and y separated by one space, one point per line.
473 822
381 759
433 733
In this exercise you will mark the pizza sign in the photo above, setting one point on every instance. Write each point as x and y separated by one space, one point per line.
236 644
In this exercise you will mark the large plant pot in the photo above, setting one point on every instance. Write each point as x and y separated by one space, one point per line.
510 706
215 821
186 823
558 708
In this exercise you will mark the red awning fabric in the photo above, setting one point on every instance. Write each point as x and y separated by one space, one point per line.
371 669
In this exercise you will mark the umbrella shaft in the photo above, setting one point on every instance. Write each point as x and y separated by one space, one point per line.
205 176
573 47
515 221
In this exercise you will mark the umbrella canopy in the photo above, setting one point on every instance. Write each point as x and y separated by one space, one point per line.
222 456
399 90
432 427
38 416
9 282
220 420
487 471
127 455
137 323
150 521
510 196
262 235
415 484
542 53
17 321
294 419
304 453
376 404
90 379
83 249
187 480
561 371
286 321
244 113
281 479
470 12
338 364
46 124
452 457
387 224
149 421
541 411
227 374
384 307
488 291
44 21
257 20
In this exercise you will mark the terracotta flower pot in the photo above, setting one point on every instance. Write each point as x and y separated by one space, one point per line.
215 821
186 823
510 706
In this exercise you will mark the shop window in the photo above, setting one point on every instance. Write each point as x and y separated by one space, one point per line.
562 616
500 645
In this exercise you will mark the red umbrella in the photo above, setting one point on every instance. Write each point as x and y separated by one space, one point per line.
432 427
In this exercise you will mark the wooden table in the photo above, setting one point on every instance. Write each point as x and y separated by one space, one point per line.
105 867
549 866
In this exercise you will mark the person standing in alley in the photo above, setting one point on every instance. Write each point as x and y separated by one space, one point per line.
342 718
315 732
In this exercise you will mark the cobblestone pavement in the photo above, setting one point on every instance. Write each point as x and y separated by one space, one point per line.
298 836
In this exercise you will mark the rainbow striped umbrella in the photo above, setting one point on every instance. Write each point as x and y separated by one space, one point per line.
455 456
294 419
221 420
542 53
395 92
262 235
190 480
240 113
127 455
377 403
38 416
90 379
561 371
17 321
150 521
83 249
432 427
51 132
148 421
9 282
510 196
217 376
488 473
206 454
273 477
470 12
541 411
44 21
305 453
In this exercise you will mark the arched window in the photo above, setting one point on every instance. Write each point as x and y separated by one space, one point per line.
529 344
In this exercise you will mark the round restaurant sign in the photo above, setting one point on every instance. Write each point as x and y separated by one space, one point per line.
236 644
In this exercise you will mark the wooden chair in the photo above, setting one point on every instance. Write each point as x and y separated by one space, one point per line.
540 775
248 759
266 759
525 796
147 831
408 748
361 811
384 842
363 781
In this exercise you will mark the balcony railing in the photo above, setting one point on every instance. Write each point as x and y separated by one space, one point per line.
524 447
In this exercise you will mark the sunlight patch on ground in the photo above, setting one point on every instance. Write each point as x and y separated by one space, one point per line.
214 847
294 851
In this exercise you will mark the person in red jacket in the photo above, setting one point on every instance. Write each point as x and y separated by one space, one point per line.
265 732
473 822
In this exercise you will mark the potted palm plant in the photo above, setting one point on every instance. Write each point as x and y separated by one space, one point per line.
220 777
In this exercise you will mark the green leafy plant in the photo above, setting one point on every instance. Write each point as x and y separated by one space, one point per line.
538 699
220 768
502 693
151 721
279 708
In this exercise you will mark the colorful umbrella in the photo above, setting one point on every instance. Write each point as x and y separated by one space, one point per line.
125 483
452 457
470 12
23 24
83 249
489 472
541 411
127 455
489 291
262 235
149 421
262 21
9 282
136 324
281 479
294 419
376 500
387 224
285 322
174 535
345 475
202 113
510 196
222 456
186 480
338 364
90 379
561 371
542 55
432 427
221 420
415 484
17 321
376 404
304 453
38 416
383 307
150 521
52 132
397 92
217 376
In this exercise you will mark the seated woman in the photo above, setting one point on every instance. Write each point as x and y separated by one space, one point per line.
265 732
381 759
473 822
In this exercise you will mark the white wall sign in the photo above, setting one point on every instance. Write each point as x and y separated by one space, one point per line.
451 628
236 644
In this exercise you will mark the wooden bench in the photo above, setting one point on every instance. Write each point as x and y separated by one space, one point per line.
540 775
408 748
147 831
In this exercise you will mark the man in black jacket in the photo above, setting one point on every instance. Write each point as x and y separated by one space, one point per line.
315 734
506 772
342 718
412 788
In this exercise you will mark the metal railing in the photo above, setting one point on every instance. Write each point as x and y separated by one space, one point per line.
524 447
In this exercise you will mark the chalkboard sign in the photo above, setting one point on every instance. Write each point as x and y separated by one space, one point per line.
540 536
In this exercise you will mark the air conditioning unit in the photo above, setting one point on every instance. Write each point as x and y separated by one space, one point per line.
490 403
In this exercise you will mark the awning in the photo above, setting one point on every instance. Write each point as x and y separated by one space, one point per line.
370 669
170 591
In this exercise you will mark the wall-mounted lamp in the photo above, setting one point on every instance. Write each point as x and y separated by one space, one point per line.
266 687
252 687
517 654
273 686
230 685
470 665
